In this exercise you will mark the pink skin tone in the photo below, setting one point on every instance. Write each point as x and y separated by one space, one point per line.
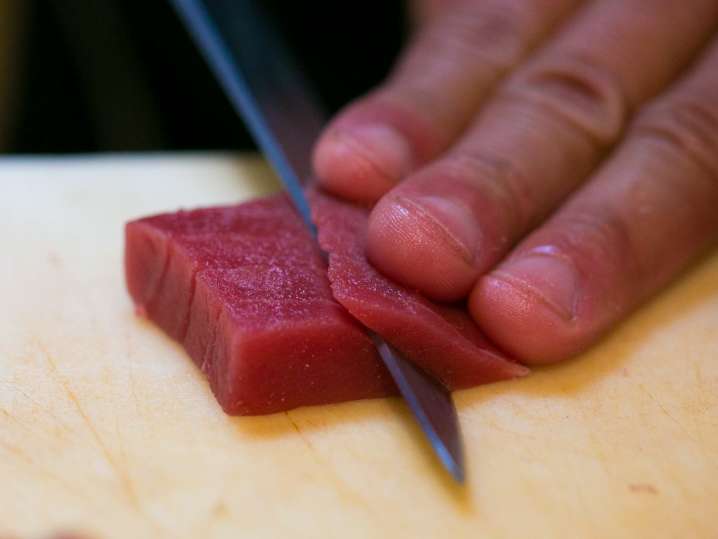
554 162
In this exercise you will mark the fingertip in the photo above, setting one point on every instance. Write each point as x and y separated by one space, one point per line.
523 311
411 241
362 162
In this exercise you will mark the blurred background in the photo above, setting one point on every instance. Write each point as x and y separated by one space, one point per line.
122 75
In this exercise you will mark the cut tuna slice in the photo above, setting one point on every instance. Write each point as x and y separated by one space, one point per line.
442 340
245 290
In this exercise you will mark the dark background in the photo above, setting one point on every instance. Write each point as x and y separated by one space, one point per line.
122 75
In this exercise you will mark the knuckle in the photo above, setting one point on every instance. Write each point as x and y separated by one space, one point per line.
501 183
686 126
576 90
599 239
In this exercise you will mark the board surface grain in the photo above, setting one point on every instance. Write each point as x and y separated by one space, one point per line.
108 429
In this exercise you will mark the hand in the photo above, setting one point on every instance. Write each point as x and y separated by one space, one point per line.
555 161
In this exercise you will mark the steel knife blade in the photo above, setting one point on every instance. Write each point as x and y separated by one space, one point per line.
267 90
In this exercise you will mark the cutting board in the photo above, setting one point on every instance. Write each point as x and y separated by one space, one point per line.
108 429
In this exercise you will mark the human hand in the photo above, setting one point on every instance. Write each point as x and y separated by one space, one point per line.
555 161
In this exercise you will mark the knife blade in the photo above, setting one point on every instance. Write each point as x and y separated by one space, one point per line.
267 90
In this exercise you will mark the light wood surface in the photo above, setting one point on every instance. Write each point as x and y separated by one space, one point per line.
107 428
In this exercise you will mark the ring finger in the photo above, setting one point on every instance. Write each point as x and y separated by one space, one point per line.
640 220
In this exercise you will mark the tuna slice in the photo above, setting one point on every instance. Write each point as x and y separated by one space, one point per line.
245 290
443 340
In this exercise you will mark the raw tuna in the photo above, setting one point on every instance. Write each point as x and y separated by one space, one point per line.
442 340
244 289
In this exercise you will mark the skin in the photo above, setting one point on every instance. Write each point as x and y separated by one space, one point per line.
553 162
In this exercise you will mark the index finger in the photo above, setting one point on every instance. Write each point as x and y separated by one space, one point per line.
446 72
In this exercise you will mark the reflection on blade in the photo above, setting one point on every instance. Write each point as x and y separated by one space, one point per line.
269 93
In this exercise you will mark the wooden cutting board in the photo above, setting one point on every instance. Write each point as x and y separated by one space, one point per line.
107 428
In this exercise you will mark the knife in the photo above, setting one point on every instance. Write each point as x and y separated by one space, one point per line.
268 92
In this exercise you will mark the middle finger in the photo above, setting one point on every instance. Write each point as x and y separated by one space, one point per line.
544 131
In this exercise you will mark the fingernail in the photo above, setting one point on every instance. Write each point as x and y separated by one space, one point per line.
456 221
381 147
551 279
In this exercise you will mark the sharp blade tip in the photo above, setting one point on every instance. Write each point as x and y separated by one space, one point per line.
452 464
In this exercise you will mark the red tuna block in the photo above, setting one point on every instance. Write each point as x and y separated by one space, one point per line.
245 290
442 340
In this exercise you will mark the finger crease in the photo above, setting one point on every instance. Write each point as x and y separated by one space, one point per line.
437 225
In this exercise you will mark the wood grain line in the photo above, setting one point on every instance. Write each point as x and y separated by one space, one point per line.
342 486
121 473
